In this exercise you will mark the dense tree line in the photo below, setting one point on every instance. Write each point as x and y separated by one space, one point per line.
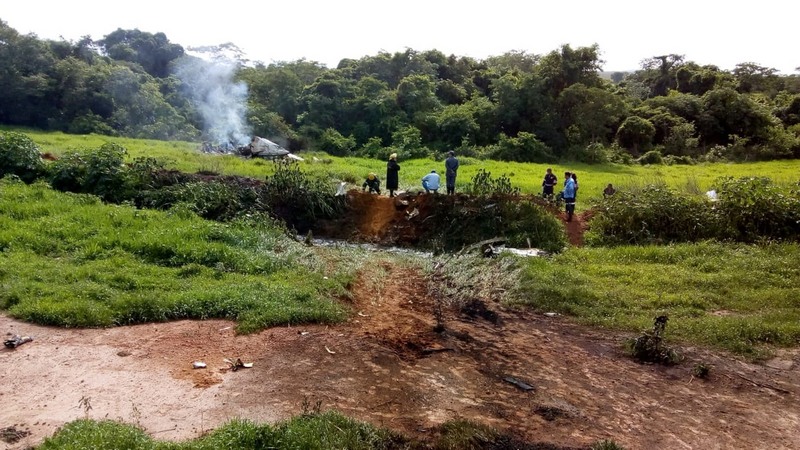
515 106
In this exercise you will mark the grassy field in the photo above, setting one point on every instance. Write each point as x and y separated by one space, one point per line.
185 156
740 298
69 260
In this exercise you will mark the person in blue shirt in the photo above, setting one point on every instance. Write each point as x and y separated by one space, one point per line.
431 182
569 195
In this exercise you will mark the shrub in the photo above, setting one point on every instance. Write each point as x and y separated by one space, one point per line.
19 156
651 157
483 184
101 172
297 198
678 160
654 215
333 143
753 209
461 222
68 173
525 147
213 200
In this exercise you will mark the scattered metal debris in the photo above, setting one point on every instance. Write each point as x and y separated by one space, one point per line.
12 435
16 341
237 364
199 365
520 384
429 350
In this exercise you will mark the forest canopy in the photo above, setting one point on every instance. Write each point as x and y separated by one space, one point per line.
515 106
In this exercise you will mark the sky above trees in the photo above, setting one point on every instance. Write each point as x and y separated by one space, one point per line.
627 31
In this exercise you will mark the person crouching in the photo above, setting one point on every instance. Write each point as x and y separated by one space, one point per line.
373 183
430 182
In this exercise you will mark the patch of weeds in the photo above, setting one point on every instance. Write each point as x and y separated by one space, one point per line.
702 371
606 445
649 347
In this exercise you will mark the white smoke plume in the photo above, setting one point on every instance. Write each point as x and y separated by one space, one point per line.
220 100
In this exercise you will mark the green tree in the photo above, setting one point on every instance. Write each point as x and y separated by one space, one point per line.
589 114
567 66
154 52
727 113
636 134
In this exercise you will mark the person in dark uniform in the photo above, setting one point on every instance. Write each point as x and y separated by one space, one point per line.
451 170
550 180
373 183
392 177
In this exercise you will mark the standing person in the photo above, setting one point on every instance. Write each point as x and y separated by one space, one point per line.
575 179
392 178
550 180
451 169
569 195
431 182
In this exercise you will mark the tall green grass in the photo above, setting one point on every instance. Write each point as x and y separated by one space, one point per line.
69 260
741 298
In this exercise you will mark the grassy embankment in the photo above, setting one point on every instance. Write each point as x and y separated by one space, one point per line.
185 156
69 260
738 297
315 431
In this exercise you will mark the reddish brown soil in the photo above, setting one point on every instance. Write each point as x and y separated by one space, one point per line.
576 227
387 366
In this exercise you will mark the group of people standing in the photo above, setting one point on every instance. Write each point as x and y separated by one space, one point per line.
430 182
568 194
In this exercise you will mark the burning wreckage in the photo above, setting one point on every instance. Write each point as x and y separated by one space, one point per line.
257 148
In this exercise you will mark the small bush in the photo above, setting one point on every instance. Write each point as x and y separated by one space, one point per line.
19 156
701 370
649 347
651 157
525 147
101 172
484 185
297 198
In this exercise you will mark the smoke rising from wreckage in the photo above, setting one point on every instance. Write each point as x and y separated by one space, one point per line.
257 148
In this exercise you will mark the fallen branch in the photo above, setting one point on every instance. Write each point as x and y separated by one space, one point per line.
774 388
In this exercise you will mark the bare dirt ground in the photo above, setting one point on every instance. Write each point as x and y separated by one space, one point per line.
387 366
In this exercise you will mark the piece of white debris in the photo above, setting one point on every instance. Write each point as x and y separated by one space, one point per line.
199 365
362 314
330 351
551 314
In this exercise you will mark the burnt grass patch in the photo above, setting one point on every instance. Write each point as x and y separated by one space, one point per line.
476 308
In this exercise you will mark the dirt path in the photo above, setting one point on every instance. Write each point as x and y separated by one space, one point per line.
388 366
